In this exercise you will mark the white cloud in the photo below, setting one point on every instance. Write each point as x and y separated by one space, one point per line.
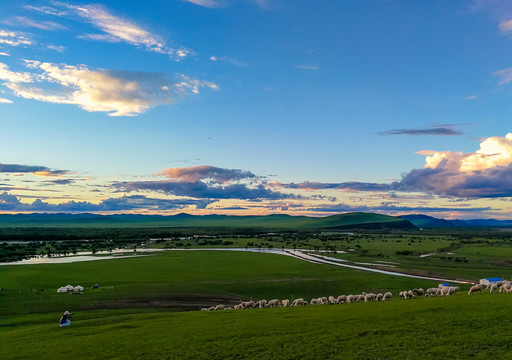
25 21
494 151
120 29
505 75
58 48
14 77
307 67
5 101
120 93
4 54
13 38
230 60
205 3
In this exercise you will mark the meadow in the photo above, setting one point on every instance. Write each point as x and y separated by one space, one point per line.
147 306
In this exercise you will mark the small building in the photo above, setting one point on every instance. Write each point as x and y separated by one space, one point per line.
488 281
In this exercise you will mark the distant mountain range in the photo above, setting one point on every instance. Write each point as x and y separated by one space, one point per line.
429 222
270 222
347 221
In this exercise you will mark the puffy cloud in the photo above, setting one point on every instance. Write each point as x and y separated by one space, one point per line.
33 169
200 190
12 38
125 203
120 93
485 173
14 77
197 173
25 21
5 101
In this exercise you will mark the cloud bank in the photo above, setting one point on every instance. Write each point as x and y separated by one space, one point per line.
32 169
10 202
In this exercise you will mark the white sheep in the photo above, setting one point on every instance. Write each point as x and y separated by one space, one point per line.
274 303
341 299
285 303
299 302
317 301
506 287
419 292
445 291
379 297
219 307
261 304
388 295
475 288
494 287
331 300
369 297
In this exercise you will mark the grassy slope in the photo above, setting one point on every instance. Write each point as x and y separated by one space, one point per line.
458 327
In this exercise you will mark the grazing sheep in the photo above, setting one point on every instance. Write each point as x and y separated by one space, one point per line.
211 308
274 303
331 300
261 304
453 289
474 288
410 294
248 305
204 309
493 288
431 291
369 297
299 302
219 307
506 287
317 301
360 298
341 299
228 308
379 297
419 292
387 296
285 303
350 298
445 291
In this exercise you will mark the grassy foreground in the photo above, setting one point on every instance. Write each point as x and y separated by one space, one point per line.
458 327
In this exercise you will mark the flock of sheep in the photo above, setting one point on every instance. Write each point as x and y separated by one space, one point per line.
501 286
331 300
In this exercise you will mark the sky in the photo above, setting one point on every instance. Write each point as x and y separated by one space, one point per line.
252 107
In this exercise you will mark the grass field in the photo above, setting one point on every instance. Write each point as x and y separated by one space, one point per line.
137 311
459 327
199 275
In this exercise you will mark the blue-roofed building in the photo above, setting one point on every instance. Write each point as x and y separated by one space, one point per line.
488 281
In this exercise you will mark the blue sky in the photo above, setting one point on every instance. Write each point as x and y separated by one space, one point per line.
256 107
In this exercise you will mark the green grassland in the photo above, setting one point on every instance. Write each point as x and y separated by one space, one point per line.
458 327
138 311
156 280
